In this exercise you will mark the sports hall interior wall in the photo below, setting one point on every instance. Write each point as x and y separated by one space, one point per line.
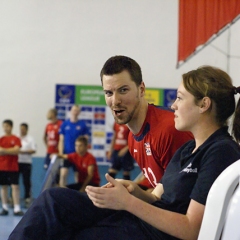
44 43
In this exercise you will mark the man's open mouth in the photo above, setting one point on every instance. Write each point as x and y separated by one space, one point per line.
117 112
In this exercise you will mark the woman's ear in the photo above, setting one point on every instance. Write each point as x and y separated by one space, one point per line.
205 104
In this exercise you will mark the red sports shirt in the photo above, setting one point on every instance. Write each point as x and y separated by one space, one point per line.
9 162
52 134
82 163
156 143
121 132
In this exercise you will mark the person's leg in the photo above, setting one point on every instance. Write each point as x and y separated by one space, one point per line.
115 160
14 180
75 173
4 183
76 176
56 214
26 173
63 176
74 186
64 172
4 191
122 225
127 165
15 194
126 175
118 226
16 200
112 172
57 179
4 198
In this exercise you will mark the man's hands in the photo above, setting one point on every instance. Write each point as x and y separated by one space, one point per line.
113 195
129 185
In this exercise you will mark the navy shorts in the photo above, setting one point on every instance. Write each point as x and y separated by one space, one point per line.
68 164
125 162
9 178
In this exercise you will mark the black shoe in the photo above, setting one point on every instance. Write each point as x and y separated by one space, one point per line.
4 212
28 202
19 213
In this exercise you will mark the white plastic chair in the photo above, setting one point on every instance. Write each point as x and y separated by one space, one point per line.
231 228
222 211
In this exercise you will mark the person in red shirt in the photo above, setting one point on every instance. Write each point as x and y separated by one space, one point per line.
124 92
51 135
153 139
9 148
85 163
118 152
155 144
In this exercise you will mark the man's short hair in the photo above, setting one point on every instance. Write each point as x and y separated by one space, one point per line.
24 125
117 64
82 139
54 111
9 122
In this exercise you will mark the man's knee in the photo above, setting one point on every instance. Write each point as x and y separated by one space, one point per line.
53 192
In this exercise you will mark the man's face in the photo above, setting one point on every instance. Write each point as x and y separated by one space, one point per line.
50 115
80 148
23 130
75 111
7 128
122 96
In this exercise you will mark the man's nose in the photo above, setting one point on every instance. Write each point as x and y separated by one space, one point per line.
116 99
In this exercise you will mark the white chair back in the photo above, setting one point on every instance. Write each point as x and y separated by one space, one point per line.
222 210
231 228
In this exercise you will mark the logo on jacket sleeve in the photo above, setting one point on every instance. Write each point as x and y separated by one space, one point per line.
147 149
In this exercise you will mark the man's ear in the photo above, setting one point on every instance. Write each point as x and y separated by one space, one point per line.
205 104
142 89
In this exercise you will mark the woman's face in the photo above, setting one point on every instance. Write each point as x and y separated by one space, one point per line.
186 112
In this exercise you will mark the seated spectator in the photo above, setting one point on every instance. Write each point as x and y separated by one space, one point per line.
69 131
85 164
175 208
